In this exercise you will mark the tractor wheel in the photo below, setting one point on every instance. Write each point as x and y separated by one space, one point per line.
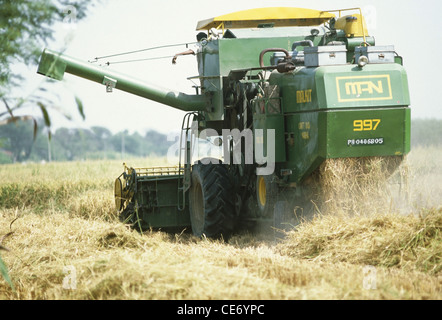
266 194
211 201
118 194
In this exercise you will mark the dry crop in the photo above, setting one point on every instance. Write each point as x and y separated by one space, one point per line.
67 243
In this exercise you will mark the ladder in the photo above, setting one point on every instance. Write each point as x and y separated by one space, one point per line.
184 172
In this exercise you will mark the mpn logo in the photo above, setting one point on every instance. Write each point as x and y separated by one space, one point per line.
363 88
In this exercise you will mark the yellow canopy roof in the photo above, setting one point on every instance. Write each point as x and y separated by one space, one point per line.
279 16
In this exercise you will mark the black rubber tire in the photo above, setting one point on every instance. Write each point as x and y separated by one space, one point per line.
211 201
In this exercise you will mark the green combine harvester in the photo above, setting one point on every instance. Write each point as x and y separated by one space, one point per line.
281 90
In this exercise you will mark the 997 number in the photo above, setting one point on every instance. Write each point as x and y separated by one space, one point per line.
366 125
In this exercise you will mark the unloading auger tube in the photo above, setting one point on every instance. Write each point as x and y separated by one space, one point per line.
54 65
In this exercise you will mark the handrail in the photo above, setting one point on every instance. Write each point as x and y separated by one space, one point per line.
155 171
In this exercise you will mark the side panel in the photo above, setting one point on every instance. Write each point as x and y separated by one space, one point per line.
298 90
364 133
375 85
157 199
304 144
343 111
268 115
316 136
270 122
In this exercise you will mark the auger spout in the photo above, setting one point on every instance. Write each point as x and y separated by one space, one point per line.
54 65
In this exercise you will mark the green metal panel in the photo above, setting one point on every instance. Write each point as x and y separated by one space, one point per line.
241 50
343 86
157 199
268 114
244 53
297 89
343 111
318 135
221 56
275 122
303 144
370 86
364 133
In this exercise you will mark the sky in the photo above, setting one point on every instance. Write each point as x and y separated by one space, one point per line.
112 26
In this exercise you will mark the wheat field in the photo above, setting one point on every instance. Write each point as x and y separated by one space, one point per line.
62 239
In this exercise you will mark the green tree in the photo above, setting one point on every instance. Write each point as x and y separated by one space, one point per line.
25 27
156 143
101 138
18 139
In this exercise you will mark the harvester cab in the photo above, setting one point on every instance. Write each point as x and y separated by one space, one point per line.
283 90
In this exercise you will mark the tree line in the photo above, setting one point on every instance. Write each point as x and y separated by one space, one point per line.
19 143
